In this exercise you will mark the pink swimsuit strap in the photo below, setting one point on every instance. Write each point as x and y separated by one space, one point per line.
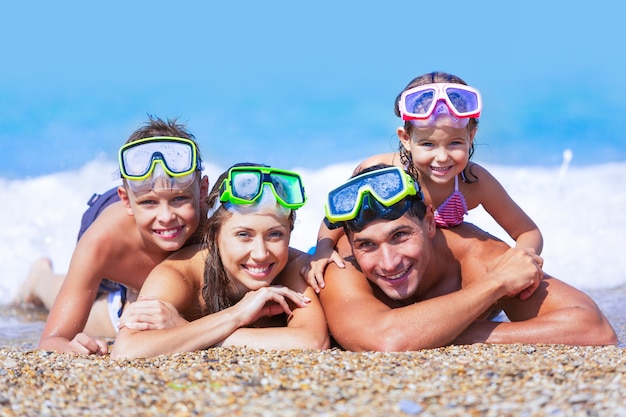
452 211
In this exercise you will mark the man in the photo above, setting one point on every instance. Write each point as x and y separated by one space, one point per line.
409 285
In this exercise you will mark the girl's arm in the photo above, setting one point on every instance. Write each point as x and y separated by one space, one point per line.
313 271
325 252
510 216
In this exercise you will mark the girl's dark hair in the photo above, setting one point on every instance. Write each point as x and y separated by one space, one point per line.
405 156
217 290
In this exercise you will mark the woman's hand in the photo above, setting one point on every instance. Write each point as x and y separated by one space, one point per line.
267 302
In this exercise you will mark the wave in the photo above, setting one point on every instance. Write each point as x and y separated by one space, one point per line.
578 209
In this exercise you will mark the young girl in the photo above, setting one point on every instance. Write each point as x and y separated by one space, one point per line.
242 287
440 114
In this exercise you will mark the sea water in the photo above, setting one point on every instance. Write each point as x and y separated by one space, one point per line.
579 209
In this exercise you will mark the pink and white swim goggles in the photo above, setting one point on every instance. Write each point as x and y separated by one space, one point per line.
423 104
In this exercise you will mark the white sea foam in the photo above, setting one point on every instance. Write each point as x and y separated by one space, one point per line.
580 211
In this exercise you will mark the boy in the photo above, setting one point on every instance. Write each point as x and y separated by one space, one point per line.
124 235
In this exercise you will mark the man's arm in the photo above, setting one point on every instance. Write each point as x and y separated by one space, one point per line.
556 313
359 320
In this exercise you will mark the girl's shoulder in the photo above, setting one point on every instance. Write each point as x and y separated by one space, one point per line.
479 186
476 174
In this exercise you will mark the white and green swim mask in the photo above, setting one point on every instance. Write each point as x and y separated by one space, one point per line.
172 158
244 185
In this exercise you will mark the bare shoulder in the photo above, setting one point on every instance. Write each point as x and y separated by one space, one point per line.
113 235
290 275
477 172
466 239
475 250
108 248
179 280
188 263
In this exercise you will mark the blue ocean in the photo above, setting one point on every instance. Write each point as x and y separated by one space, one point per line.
571 188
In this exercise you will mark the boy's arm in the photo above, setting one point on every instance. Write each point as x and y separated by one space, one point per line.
70 311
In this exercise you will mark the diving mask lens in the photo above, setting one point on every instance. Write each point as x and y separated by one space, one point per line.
420 103
168 161
177 156
387 186
244 185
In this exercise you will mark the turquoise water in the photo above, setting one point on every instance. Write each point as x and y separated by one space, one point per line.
311 133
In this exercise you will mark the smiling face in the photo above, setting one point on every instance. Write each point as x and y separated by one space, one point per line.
440 152
166 218
254 247
395 254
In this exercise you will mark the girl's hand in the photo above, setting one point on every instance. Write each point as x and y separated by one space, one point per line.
150 313
85 344
267 302
313 272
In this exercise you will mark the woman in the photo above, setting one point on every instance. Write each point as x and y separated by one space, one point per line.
242 287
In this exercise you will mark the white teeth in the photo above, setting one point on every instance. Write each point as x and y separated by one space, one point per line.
257 270
396 276
169 232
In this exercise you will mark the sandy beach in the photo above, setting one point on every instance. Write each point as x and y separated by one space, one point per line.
489 380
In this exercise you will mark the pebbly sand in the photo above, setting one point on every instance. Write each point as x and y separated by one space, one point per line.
485 380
